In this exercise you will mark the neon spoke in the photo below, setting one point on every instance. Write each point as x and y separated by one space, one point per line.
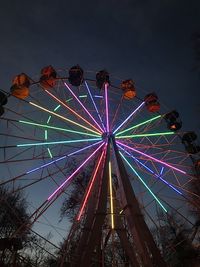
144 135
61 117
111 197
45 165
64 157
83 107
140 124
161 171
50 154
84 148
151 171
73 111
95 106
56 128
73 174
107 111
141 105
142 181
150 157
90 187
59 142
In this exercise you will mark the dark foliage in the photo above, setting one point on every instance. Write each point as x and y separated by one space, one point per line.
13 212
174 239
76 191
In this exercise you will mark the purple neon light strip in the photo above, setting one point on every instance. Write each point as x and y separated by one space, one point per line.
107 111
147 168
80 150
150 157
63 157
161 171
72 175
95 106
45 165
83 107
128 117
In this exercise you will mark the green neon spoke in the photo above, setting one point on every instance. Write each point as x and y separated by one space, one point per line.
82 96
142 181
62 117
140 124
57 128
49 119
50 154
45 134
59 142
68 100
56 108
143 135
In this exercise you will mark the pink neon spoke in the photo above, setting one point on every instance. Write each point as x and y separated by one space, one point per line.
128 117
72 175
73 111
150 157
107 111
90 187
86 110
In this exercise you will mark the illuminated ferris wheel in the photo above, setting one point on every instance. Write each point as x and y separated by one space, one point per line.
56 125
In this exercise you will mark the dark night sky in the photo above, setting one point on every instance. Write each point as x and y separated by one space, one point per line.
149 41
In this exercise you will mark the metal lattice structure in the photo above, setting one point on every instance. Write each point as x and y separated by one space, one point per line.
139 166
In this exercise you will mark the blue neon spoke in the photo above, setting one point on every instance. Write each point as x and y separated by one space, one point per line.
155 174
63 157
143 182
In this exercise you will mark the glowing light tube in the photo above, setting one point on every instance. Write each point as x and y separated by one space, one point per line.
141 105
50 154
140 124
83 107
151 171
107 110
59 142
161 171
111 197
143 135
84 148
45 165
56 128
63 118
73 111
63 157
142 181
90 187
95 106
150 157
72 175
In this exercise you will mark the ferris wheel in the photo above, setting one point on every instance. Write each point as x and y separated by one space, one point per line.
56 125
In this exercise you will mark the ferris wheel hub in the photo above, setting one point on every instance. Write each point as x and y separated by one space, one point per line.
107 135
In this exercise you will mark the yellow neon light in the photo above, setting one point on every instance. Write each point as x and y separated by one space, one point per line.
111 197
61 117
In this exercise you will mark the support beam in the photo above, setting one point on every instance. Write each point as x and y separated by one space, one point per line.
150 254
99 218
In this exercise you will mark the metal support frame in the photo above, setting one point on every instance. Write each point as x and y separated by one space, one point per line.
149 253
141 250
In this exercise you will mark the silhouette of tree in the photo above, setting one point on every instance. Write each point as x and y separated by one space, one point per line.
13 213
174 239
77 189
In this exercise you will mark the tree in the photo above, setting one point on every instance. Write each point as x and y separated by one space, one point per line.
77 189
174 238
13 213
